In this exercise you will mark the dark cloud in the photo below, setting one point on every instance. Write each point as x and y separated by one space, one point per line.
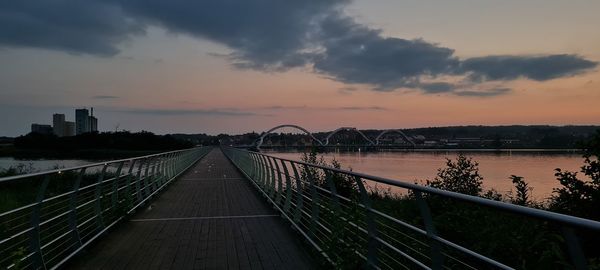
436 88
484 93
86 26
105 97
264 34
357 54
343 108
273 35
539 68
359 108
209 112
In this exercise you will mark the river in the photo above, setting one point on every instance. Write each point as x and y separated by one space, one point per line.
537 167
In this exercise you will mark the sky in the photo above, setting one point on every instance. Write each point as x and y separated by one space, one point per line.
235 66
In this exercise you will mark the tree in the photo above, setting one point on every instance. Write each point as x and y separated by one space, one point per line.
580 197
461 176
523 190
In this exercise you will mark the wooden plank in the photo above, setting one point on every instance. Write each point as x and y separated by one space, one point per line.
210 218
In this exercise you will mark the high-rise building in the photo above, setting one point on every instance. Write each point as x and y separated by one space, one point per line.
42 129
82 121
93 122
69 128
58 124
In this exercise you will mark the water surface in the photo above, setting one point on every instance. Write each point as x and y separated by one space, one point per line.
496 167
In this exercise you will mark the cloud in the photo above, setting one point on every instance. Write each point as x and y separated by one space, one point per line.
264 34
105 97
359 108
357 54
87 26
539 68
435 88
343 108
485 93
274 35
279 107
179 112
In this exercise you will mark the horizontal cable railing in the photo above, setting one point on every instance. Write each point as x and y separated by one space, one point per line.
358 220
48 217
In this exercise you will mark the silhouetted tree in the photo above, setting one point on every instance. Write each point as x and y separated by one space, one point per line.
580 197
461 176
523 191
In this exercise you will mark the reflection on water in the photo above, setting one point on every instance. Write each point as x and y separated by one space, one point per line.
536 166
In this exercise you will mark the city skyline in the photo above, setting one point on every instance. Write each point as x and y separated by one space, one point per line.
367 64
84 122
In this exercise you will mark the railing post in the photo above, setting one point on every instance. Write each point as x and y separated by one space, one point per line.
372 253
279 183
299 197
334 195
266 175
273 178
38 260
574 248
437 258
138 184
73 208
115 188
146 176
314 215
154 176
263 173
257 169
128 184
98 198
288 188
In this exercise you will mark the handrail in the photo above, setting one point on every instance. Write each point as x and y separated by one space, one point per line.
290 187
48 217
518 209
15 177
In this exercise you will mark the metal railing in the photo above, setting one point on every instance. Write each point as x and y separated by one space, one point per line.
48 217
347 218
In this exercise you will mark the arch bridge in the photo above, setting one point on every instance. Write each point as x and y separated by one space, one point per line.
370 142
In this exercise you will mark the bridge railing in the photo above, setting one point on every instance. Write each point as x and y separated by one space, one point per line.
47 217
355 219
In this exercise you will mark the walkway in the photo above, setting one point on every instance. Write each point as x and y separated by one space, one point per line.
210 218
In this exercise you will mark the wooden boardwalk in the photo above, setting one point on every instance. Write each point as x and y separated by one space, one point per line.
210 218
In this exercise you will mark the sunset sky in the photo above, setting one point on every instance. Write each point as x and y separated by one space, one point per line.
231 66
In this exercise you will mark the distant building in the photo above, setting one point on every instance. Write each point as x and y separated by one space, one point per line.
69 128
42 129
58 124
82 121
93 121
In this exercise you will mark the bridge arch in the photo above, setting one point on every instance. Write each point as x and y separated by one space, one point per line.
406 138
347 129
260 140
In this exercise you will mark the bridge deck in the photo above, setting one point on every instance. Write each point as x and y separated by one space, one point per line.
210 218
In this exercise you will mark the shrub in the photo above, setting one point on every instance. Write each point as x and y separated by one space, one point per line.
461 176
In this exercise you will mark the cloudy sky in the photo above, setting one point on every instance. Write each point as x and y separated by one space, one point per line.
236 66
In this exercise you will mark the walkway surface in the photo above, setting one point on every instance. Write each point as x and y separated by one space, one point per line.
210 218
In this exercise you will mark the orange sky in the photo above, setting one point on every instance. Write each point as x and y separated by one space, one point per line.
167 82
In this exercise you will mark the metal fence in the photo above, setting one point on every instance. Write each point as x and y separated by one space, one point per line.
47 217
358 220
